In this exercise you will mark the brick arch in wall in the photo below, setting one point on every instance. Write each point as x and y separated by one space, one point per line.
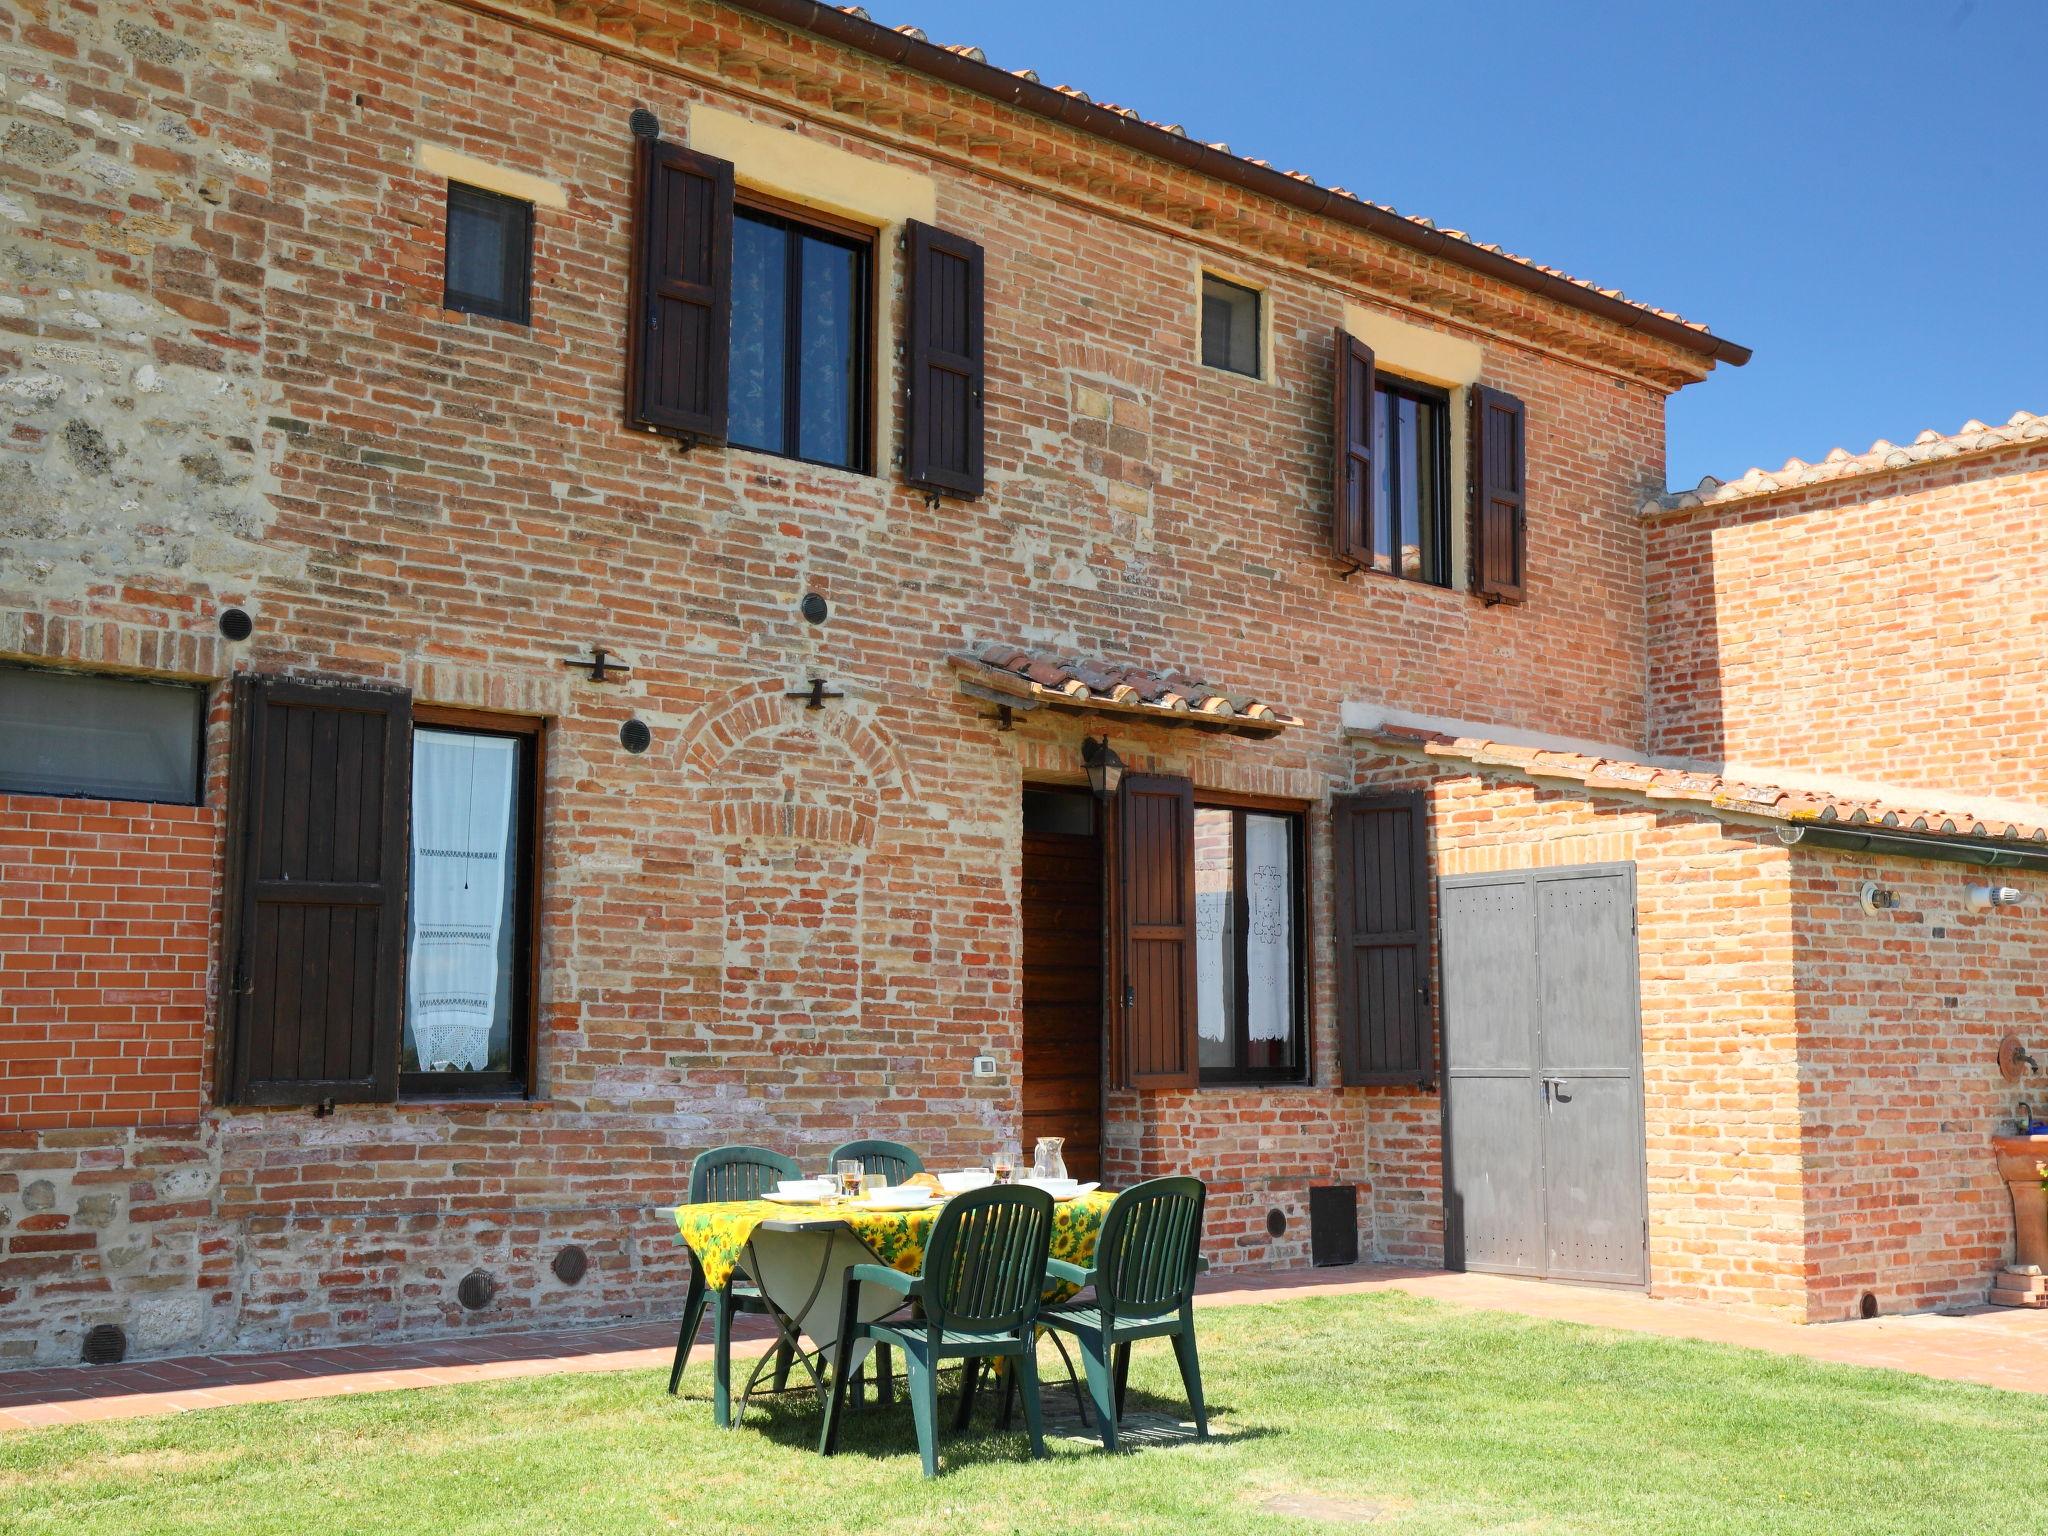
793 802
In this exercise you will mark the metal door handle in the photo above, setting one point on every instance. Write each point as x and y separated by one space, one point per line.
1553 1090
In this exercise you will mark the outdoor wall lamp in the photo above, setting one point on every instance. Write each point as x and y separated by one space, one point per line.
1105 768
1989 898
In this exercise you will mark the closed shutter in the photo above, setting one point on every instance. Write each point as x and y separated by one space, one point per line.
1382 939
680 339
1156 930
316 891
1500 514
943 375
1351 491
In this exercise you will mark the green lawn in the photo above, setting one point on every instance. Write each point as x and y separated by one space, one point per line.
1439 1420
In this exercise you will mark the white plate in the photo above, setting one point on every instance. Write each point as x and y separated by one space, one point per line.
890 1200
959 1182
781 1199
1063 1195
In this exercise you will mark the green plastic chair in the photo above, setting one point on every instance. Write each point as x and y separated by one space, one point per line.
984 1270
1146 1261
728 1173
891 1159
894 1162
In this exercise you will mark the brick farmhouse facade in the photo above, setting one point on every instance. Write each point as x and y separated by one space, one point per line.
234 380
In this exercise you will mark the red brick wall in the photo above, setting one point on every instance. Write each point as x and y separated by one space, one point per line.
1891 629
1715 950
274 411
1900 1015
106 922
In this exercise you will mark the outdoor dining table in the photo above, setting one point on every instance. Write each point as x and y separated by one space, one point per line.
799 1255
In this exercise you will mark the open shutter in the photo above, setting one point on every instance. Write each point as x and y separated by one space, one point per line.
680 336
942 378
1500 510
316 891
1156 930
1382 939
1351 492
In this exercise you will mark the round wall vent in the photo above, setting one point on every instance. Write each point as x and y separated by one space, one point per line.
236 624
104 1345
635 736
571 1265
475 1290
645 124
1867 1307
814 608
1276 1222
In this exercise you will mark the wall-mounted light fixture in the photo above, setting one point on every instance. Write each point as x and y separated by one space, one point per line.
1878 898
1105 768
1989 898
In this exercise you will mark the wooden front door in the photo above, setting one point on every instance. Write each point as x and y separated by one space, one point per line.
1062 915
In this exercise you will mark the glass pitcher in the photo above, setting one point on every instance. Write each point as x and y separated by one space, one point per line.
1046 1161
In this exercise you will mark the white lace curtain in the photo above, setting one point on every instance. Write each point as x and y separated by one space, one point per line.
462 790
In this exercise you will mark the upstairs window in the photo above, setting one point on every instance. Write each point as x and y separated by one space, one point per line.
800 337
105 738
489 257
1230 326
1411 516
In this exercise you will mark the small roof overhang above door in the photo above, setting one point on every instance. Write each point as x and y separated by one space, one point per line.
1015 678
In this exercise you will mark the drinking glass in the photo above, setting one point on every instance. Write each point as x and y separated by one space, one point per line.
1005 1164
850 1172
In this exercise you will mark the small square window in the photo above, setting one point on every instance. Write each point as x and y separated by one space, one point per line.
490 253
1230 326
103 738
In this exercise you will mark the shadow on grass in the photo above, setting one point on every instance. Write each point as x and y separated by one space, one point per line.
879 1432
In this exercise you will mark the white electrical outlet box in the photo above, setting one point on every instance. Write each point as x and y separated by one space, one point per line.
984 1066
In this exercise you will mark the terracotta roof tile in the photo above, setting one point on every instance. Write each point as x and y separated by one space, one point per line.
1028 678
1840 464
1713 791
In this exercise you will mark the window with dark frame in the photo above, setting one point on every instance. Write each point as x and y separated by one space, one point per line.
99 737
488 268
1250 979
802 307
1411 532
470 905
1230 326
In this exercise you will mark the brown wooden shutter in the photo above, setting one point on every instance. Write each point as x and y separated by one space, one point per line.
680 337
1352 489
1382 939
1155 912
1500 509
943 372
318 808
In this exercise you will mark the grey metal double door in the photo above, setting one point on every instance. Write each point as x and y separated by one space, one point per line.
1542 1050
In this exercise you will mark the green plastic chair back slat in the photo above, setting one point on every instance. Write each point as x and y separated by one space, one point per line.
891 1159
1145 1257
984 1264
737 1173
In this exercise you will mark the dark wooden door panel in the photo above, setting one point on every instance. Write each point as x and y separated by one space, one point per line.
1062 982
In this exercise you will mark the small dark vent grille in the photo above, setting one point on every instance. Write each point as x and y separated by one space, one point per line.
475 1290
1276 1222
1333 1224
571 1265
635 736
645 124
814 608
236 624
104 1345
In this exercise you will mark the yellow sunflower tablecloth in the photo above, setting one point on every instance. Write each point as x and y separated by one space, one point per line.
717 1231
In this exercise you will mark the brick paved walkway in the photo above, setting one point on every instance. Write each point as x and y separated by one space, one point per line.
1995 1346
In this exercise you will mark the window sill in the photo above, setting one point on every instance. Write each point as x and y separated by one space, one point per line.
444 1102
1427 589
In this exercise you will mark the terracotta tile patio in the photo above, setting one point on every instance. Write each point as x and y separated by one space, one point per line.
1994 1346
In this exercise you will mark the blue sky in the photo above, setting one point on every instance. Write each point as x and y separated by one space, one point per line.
1855 190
